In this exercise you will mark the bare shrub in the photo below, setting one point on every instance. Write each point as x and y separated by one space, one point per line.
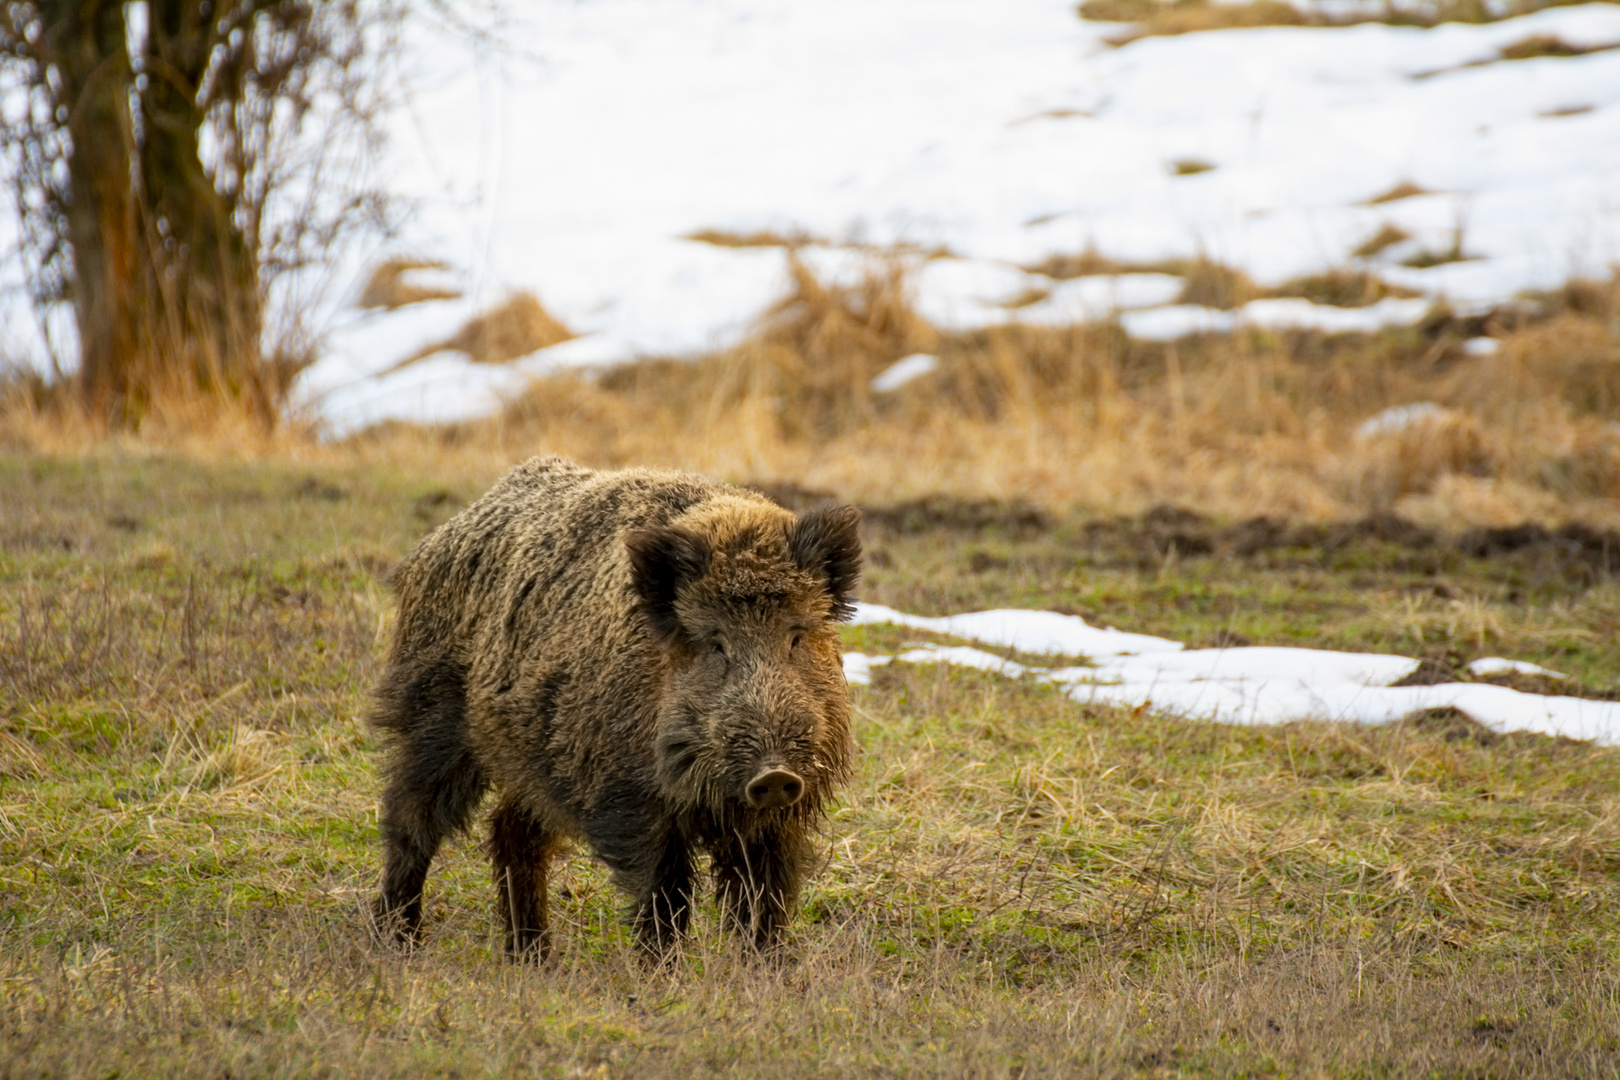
176 168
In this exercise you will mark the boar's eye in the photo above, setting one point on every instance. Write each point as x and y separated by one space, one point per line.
798 638
717 648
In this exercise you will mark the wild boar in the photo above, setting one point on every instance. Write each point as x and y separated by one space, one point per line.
644 661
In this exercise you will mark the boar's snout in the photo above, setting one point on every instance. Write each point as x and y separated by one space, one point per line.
774 787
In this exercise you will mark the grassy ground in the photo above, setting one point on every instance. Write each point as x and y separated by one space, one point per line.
1015 885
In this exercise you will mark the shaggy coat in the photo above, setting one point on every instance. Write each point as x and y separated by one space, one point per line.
643 661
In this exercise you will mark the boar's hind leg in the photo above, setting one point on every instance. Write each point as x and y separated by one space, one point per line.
757 882
520 850
664 907
434 785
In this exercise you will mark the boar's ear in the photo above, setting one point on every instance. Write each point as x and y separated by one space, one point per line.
661 561
827 541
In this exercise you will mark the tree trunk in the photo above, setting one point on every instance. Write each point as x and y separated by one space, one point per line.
207 276
165 287
88 45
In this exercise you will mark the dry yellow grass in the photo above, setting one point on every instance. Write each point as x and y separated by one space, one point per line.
1234 425
517 326
1170 17
388 287
1255 422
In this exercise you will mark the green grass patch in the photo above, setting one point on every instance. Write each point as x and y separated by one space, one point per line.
1014 884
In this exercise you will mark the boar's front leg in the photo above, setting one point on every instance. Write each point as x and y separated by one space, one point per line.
664 906
433 788
520 850
757 882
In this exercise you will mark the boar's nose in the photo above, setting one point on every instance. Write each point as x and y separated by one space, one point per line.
774 787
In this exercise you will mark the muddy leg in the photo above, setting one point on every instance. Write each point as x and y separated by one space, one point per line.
757 882
664 909
433 788
520 851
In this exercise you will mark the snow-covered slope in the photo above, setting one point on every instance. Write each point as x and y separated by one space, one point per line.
572 148
573 158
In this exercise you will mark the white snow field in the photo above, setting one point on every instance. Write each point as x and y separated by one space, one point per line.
1257 685
574 157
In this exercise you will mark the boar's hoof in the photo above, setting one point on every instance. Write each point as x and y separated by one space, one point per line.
397 927
774 787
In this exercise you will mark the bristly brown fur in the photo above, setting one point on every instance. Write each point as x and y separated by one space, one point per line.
619 655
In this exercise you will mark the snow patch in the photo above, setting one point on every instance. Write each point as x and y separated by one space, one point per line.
1499 665
904 371
858 667
1252 685
963 656
1280 313
1298 314
1042 632
1398 418
1177 321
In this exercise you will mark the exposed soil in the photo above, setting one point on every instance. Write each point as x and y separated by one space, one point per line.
931 513
1576 552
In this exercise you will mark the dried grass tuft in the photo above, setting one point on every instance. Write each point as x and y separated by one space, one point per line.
1404 189
1171 17
41 415
1190 167
793 238
1089 261
821 346
390 287
1591 466
1216 285
1539 45
1342 288
1570 360
516 327
1413 459
1387 236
